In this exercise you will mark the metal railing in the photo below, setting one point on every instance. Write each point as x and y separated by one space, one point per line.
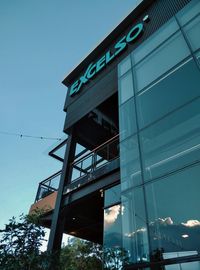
48 186
95 159
84 165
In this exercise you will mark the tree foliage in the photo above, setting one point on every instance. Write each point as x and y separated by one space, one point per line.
20 244
115 258
82 255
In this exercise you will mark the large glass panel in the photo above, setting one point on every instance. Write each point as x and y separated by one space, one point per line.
112 226
192 31
184 266
125 87
134 225
127 119
198 57
115 257
112 195
124 66
187 13
179 87
161 60
174 214
155 40
173 142
129 163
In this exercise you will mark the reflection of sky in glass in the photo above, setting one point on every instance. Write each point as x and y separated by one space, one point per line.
111 215
112 226
172 142
112 196
174 217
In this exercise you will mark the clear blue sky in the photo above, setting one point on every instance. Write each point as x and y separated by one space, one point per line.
40 42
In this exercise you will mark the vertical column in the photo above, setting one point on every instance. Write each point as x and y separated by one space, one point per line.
59 215
134 219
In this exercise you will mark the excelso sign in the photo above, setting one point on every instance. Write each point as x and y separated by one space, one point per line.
120 46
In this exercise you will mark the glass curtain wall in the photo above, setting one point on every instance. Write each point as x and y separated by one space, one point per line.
159 117
114 254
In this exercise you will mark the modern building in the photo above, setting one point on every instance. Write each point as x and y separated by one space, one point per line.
131 170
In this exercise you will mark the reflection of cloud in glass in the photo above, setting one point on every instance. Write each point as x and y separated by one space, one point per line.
168 221
185 235
111 215
191 223
137 231
163 221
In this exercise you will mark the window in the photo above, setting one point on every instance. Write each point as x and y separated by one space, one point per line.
192 31
155 40
173 142
130 163
134 225
161 60
124 66
112 226
127 119
189 12
174 216
112 196
198 58
179 87
125 87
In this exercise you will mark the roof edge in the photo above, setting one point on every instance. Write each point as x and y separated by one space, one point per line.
106 41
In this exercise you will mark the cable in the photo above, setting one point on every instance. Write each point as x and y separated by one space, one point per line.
29 136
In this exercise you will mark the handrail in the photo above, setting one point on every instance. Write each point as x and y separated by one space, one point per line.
98 157
50 177
95 149
48 186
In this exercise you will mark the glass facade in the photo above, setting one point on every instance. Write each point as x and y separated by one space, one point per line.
159 121
173 212
115 255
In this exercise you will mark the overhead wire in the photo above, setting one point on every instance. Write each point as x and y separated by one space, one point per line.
29 136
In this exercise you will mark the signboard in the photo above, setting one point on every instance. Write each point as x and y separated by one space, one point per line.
94 68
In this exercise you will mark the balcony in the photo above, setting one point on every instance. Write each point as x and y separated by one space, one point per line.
93 164
87 167
46 194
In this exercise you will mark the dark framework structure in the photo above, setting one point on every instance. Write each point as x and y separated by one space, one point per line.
130 176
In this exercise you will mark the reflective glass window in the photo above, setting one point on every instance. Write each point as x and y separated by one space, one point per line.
173 142
114 255
112 228
198 57
174 214
161 60
124 66
179 87
127 119
156 39
112 195
192 31
183 266
129 163
126 87
134 225
189 12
